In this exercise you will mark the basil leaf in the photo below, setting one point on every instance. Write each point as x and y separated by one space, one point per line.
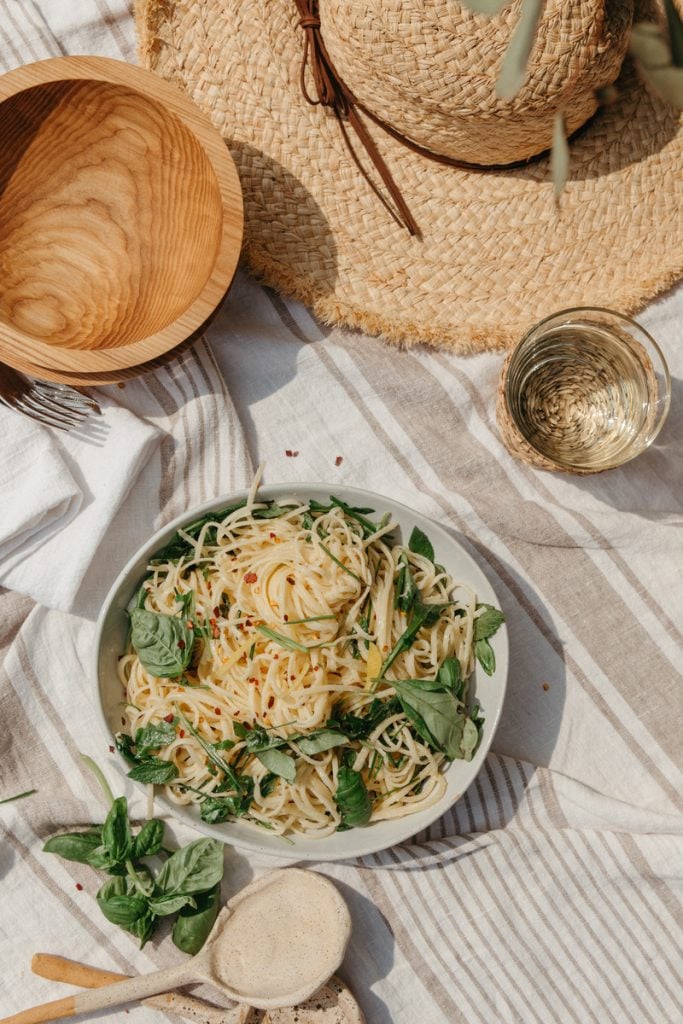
320 740
153 736
420 544
154 771
214 811
488 622
485 656
352 798
436 715
149 839
124 745
121 909
143 927
163 643
279 763
193 925
116 835
450 676
76 846
102 860
470 738
192 869
257 739
162 906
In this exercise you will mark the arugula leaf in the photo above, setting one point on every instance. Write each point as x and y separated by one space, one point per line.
124 745
420 544
194 924
356 727
267 783
76 846
341 565
163 643
154 736
488 623
320 740
154 771
406 588
116 835
192 869
485 655
352 798
283 641
421 615
436 714
278 762
229 773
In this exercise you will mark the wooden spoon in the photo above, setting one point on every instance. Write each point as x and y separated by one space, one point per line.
59 968
273 945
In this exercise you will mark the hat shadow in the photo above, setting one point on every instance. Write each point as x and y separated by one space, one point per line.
283 214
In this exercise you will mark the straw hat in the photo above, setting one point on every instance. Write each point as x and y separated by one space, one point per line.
494 251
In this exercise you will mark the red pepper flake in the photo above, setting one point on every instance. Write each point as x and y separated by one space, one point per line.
123 721
290 454
190 624
249 623
169 717
250 577
292 677
546 686
286 618
235 714
271 701
290 580
272 536
338 461
216 611
181 733
254 680
111 749
79 886
181 645
217 710
276 657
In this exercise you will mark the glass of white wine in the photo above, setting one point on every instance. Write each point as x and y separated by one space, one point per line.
585 390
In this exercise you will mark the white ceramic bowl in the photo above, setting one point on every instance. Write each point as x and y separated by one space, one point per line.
489 691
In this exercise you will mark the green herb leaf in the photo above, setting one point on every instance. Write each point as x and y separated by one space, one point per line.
320 740
163 906
116 835
420 544
143 927
124 745
488 623
149 839
192 869
193 925
312 618
406 588
352 798
450 676
341 565
18 796
154 736
279 763
123 910
76 846
470 738
283 641
421 615
162 642
268 783
154 771
484 654
513 68
436 715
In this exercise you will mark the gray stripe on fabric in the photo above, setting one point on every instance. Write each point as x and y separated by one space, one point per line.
423 969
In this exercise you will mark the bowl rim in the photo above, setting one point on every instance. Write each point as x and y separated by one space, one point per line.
178 104
313 849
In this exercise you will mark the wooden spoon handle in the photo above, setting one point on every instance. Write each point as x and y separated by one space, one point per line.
110 995
59 968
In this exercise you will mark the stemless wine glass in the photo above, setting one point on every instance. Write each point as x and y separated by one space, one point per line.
586 389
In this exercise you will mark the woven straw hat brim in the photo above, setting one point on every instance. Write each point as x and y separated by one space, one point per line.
496 252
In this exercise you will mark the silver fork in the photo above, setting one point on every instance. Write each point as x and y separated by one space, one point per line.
56 405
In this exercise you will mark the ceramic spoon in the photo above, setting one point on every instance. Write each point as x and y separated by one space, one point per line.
58 968
273 945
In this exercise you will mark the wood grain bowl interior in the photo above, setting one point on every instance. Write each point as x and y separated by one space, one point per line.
120 216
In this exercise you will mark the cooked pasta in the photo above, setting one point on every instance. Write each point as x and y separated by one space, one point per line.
294 665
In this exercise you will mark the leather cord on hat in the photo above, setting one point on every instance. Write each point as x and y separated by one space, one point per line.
334 93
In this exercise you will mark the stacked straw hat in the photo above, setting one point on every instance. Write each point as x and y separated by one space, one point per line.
423 143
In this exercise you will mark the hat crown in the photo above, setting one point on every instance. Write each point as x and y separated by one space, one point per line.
430 70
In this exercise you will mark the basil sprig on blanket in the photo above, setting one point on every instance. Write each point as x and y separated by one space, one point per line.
134 897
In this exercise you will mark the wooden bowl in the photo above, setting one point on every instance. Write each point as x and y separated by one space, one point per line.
120 217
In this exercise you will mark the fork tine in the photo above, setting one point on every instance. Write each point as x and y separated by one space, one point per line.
60 413
38 415
46 414
67 394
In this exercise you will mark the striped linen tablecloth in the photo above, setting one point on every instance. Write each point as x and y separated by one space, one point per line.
551 892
